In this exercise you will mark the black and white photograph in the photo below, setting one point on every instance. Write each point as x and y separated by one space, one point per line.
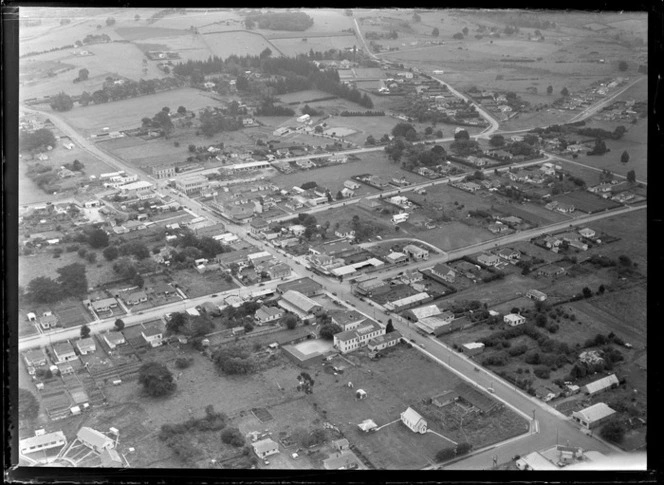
331 239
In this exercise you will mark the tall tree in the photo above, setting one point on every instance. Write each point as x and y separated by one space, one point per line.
61 102
98 238
73 280
631 176
85 331
28 406
156 379
44 290
435 32
624 158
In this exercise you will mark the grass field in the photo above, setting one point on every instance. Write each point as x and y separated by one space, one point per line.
235 43
43 264
188 46
195 285
586 202
452 235
293 47
125 114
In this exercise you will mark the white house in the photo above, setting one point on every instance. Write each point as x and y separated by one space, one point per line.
113 339
587 232
416 252
352 185
384 341
94 439
399 218
414 421
513 319
265 448
593 416
267 314
153 336
86 346
64 352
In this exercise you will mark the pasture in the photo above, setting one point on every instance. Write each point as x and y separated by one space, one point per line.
295 46
586 202
235 43
44 264
188 46
453 235
127 113
211 20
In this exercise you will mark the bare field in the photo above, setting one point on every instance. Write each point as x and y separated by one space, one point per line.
127 113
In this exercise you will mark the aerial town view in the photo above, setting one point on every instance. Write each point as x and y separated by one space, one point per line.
332 239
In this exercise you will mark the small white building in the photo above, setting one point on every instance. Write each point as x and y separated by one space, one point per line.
414 421
265 448
399 218
113 339
593 416
42 442
86 346
514 319
153 336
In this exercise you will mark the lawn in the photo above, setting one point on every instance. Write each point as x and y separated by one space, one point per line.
125 114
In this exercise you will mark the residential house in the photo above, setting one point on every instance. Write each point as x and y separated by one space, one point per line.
48 321
113 339
445 398
396 257
258 226
414 421
416 252
445 272
551 270
552 242
265 447
351 184
35 358
593 416
279 270
341 445
587 232
498 228
473 348
347 193
488 259
345 460
411 276
104 305
600 385
163 172
153 335
86 346
136 297
350 340
511 255
384 341
266 314
64 352
513 319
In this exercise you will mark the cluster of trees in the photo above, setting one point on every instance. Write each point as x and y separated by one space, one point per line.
129 89
93 39
329 330
291 21
449 453
195 327
308 110
241 316
156 379
212 421
36 140
28 406
214 121
267 108
71 282
391 35
305 383
82 75
233 360
362 113
61 102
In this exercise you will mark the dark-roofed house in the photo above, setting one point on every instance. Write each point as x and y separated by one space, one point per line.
257 226
136 297
384 341
346 319
48 321
104 305
444 271
509 254
94 440
279 270
306 286
346 460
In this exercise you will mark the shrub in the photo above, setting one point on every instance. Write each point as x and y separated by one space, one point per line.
182 362
233 437
542 372
445 454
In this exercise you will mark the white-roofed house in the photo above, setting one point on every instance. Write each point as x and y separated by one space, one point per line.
514 319
265 448
299 304
384 341
64 352
94 440
86 346
360 336
414 421
113 339
473 348
416 252
42 442
593 416
601 385
266 314
153 335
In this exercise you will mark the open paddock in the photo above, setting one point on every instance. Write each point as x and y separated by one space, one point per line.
586 202
194 284
43 263
296 46
633 233
453 235
127 113
535 214
303 96
188 46
72 313
142 32
240 43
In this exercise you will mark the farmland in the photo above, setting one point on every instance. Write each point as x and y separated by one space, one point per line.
296 46
240 43
126 114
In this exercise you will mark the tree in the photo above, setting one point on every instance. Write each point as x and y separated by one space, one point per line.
267 52
428 130
549 90
445 454
28 406
110 21
439 133
370 140
119 324
623 66
465 31
44 290
98 239
177 322
156 379
72 280
613 431
110 253
416 17
389 327
82 252
564 92
289 321
85 331
232 436
138 280
163 120
463 448
36 140
497 141
458 36
462 135
91 257
631 176
83 74
328 331
587 292
61 102
624 158
435 32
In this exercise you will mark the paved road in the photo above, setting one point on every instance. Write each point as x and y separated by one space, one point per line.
588 112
